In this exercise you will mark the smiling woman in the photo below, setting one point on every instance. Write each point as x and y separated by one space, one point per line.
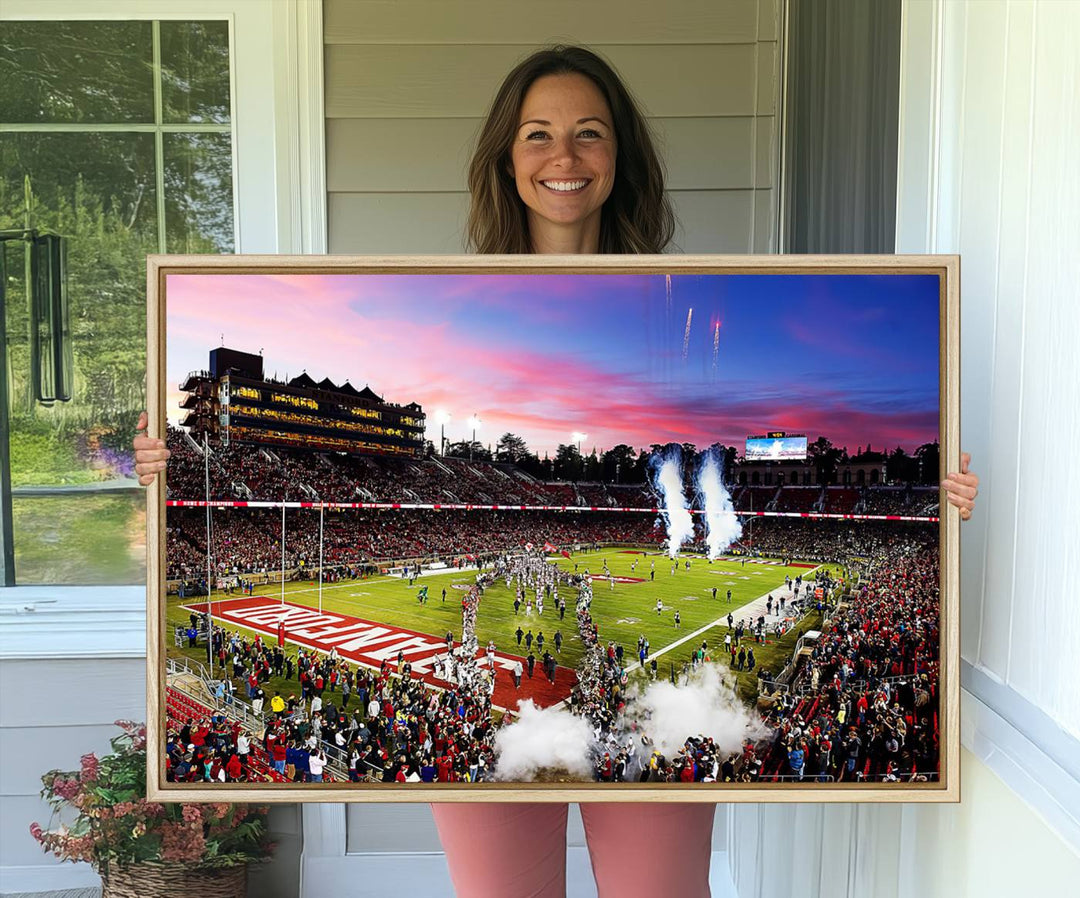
563 162
562 117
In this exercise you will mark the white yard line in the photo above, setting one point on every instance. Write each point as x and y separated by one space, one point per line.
753 609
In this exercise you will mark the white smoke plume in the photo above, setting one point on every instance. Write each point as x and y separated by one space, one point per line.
706 705
543 739
686 334
722 527
666 471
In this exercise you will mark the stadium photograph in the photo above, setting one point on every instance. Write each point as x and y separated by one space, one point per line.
532 528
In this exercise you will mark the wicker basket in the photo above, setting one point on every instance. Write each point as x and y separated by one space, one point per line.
152 880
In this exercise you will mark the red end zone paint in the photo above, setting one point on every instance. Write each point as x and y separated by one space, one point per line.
369 643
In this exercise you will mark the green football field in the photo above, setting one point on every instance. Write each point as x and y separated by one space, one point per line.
622 613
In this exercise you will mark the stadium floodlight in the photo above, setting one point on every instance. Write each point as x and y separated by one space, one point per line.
474 423
578 437
442 416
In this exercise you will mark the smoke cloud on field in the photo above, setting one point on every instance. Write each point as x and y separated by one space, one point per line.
706 705
543 739
722 526
666 472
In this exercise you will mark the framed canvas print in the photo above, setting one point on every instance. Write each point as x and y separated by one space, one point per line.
554 528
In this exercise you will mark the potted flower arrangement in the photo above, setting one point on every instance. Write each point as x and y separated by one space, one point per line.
143 848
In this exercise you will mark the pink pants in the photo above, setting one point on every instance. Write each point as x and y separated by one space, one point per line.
519 850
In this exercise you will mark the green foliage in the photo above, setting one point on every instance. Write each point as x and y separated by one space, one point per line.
99 190
81 539
41 458
106 288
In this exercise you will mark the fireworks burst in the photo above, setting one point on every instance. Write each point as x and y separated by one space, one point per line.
686 334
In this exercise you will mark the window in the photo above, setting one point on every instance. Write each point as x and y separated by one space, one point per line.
118 136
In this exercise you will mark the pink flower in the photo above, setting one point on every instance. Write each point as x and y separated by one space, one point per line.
37 832
180 842
65 788
90 767
192 813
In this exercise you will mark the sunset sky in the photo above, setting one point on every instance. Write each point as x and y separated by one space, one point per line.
850 357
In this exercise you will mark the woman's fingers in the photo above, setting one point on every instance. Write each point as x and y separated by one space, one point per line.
962 487
150 453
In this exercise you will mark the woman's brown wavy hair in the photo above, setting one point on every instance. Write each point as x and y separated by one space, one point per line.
637 216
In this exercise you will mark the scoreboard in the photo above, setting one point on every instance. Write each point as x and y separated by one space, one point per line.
776 446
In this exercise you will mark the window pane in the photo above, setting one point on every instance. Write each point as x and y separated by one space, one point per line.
98 191
198 193
195 71
81 539
76 72
79 518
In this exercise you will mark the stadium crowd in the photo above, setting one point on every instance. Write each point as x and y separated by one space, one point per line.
398 730
249 540
865 704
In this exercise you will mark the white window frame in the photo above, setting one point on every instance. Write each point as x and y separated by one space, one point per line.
279 184
1013 736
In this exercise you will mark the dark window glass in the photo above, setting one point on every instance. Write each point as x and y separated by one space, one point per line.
65 72
195 72
198 193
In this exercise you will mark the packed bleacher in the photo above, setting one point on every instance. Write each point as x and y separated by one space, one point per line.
249 540
798 498
244 472
841 499
864 706
753 498
374 726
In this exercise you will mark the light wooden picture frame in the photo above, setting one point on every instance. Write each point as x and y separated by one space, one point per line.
609 455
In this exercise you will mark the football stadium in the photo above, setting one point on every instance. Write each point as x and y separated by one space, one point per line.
373 604
351 597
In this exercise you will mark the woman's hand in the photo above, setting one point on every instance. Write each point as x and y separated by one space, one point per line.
962 488
150 454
